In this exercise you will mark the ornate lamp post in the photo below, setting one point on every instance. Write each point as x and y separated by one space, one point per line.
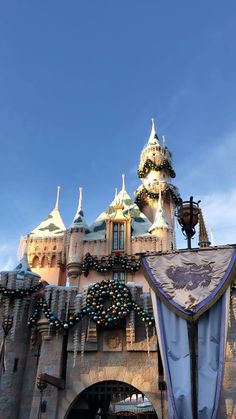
187 214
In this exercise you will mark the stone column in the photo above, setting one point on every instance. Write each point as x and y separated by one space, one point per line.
228 394
50 362
15 359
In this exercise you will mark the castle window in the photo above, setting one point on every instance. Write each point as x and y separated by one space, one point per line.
119 276
53 261
118 236
35 262
44 263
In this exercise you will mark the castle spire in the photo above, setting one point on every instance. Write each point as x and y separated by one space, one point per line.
80 198
57 198
153 139
79 219
123 183
203 236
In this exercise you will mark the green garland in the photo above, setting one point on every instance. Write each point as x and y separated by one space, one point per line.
144 193
19 292
42 306
150 165
107 316
128 264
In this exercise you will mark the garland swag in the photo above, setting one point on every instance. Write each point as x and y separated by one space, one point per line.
116 293
19 292
150 165
128 264
144 193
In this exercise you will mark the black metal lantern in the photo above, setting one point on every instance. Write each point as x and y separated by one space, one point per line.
187 214
42 385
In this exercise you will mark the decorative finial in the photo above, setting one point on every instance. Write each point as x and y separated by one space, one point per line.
164 141
80 198
153 139
57 198
123 183
116 192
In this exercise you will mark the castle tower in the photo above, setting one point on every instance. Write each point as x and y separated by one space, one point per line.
45 245
74 238
155 171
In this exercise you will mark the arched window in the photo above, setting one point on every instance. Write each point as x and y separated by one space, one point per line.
44 263
53 261
35 262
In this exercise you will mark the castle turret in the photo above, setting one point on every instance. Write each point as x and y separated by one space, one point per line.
155 171
160 226
75 237
45 245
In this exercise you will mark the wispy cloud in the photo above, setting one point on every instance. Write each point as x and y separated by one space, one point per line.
8 257
217 165
219 213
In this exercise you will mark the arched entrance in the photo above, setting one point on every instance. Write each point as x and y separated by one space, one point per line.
111 400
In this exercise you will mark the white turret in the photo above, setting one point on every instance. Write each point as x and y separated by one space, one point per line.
76 234
160 221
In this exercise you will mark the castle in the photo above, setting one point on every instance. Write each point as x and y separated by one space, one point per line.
91 339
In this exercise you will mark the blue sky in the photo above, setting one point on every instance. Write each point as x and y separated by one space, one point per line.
79 83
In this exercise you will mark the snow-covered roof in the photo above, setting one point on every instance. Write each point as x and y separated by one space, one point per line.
23 270
139 222
53 225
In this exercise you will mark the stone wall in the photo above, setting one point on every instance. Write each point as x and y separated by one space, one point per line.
228 397
108 355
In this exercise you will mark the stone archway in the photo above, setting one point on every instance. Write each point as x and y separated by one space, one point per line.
111 400
134 369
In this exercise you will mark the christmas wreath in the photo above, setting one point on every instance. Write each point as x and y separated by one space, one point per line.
118 295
